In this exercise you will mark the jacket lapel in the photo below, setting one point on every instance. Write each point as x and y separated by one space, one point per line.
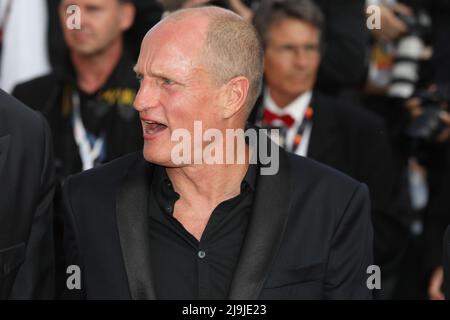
133 220
4 146
265 232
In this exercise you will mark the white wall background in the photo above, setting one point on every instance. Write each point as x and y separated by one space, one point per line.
24 55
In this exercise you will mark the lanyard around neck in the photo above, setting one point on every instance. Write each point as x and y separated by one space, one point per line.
88 153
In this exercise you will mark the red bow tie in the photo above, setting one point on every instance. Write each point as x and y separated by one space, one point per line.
269 117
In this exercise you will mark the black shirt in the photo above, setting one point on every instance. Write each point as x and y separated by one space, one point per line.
182 266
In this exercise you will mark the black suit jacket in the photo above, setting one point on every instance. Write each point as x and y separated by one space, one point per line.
354 141
345 59
26 194
309 234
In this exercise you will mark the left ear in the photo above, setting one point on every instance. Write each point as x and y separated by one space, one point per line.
236 92
128 12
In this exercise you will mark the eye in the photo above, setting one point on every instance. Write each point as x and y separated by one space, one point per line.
139 77
167 82
286 49
311 48
93 9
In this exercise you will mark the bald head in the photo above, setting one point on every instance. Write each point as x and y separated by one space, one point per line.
228 45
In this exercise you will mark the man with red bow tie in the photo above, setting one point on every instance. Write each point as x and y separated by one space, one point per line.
316 126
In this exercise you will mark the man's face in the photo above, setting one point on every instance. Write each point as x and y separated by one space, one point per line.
292 58
176 88
102 22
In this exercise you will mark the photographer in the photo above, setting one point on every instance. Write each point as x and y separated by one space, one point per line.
438 213
408 85
436 118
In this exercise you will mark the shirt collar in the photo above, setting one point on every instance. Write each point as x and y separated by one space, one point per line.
165 195
296 109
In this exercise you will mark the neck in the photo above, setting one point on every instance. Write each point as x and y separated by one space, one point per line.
94 70
208 185
283 100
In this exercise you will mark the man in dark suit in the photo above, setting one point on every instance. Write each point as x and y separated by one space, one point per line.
314 125
345 58
26 195
150 226
88 102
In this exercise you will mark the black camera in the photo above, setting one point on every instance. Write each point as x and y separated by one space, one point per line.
427 127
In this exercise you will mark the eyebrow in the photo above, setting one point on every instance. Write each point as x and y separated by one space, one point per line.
153 74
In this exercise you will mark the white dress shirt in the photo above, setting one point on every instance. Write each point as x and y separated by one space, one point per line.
296 109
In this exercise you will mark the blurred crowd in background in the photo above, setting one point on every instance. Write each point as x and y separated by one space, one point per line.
371 102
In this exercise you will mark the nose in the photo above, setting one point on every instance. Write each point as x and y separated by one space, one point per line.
147 96
85 19
301 58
